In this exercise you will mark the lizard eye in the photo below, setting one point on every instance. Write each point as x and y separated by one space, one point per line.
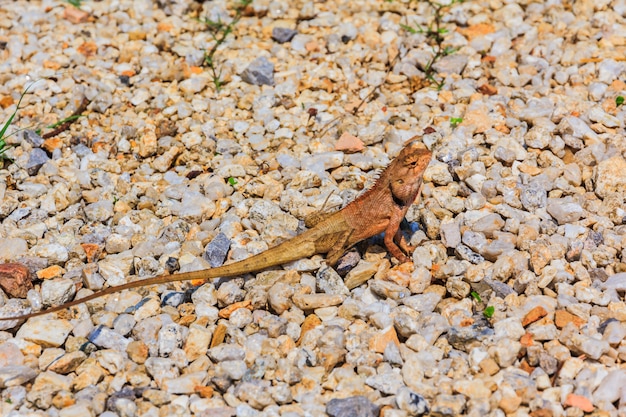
400 181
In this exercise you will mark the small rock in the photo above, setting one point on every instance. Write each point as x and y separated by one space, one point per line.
565 212
282 35
349 143
57 291
15 279
33 138
358 406
259 72
45 332
36 159
358 275
313 301
329 282
450 233
579 401
107 338
448 405
13 375
185 384
611 388
216 251
414 404
534 315
75 15
610 177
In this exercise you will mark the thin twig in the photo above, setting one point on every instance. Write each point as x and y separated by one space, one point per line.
66 125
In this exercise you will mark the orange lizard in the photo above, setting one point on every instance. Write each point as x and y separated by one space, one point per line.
380 209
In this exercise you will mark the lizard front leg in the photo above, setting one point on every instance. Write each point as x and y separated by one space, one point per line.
393 229
400 239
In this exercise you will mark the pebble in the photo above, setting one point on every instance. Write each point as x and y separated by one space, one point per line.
259 72
351 407
45 332
15 375
282 35
216 251
37 158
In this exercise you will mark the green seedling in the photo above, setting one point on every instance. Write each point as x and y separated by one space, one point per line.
434 33
220 31
455 121
488 313
232 181
619 100
476 297
4 147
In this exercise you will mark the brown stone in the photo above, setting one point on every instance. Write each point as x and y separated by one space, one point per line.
75 15
310 322
54 271
488 90
489 366
88 49
479 29
204 392
534 315
349 143
219 335
380 340
579 401
137 351
6 101
92 250
562 318
227 311
15 279
527 340
68 362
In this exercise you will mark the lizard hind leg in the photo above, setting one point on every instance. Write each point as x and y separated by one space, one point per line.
336 245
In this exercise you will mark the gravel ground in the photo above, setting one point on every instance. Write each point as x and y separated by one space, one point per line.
522 211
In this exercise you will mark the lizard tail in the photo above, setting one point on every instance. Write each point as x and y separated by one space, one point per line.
161 279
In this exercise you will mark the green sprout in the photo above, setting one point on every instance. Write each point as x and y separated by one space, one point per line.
435 35
4 147
619 100
219 31
476 297
488 313
455 121
232 181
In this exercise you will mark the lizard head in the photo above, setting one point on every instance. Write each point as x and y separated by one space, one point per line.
407 170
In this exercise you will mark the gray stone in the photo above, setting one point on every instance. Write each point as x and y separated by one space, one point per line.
564 211
259 72
533 197
100 211
217 249
107 338
357 406
36 159
33 138
329 282
282 35
411 402
13 375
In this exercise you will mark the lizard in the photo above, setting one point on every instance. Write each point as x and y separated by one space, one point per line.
379 209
